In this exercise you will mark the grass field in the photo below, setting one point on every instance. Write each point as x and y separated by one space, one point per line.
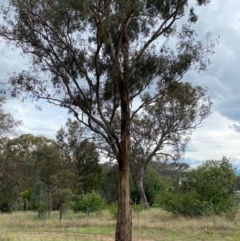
149 225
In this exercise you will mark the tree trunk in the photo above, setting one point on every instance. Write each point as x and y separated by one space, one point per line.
49 206
140 188
25 206
124 219
137 176
60 215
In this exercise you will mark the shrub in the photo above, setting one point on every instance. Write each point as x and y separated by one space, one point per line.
205 190
187 204
113 209
92 202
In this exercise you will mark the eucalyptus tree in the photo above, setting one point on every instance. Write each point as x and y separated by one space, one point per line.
80 150
20 153
21 170
163 129
88 167
68 139
48 165
8 127
62 194
99 57
35 164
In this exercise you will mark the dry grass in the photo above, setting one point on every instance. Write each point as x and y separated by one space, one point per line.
149 225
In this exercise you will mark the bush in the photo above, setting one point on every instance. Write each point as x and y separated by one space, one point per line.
187 204
205 190
113 209
91 202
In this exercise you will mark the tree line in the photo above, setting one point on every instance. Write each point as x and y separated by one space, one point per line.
42 174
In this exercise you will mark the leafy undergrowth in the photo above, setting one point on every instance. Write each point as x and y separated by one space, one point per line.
148 225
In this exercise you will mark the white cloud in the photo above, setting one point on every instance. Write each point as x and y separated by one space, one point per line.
45 122
214 140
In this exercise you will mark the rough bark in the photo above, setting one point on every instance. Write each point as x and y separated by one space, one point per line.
124 218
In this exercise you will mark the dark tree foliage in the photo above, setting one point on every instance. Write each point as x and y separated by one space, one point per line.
27 165
89 170
108 182
35 172
68 140
75 148
98 57
53 177
153 184
214 182
8 127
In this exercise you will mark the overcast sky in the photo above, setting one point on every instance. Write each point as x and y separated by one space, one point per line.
219 134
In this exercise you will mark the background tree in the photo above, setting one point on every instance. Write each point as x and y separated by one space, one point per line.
162 131
205 190
26 197
237 183
171 170
19 165
89 170
50 166
63 183
35 162
101 56
109 182
214 181
7 128
82 153
153 184
20 152
68 139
